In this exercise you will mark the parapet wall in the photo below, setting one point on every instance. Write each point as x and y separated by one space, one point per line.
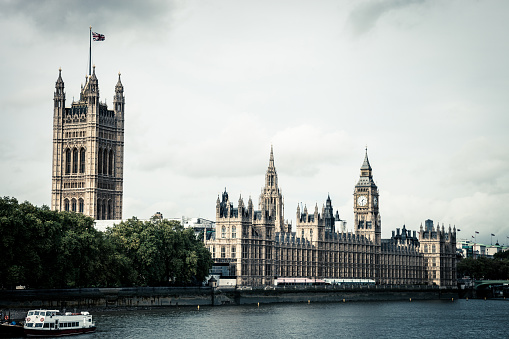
124 298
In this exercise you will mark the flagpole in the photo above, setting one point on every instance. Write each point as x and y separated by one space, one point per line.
90 54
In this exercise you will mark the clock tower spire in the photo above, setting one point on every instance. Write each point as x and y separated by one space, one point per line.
367 220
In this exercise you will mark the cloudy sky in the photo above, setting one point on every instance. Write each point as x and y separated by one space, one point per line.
211 85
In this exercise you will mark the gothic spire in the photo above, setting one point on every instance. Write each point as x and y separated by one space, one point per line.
93 76
59 95
59 80
366 165
271 160
119 87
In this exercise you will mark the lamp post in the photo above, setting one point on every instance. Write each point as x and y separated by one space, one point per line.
475 242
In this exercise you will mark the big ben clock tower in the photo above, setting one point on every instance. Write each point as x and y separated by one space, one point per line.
366 214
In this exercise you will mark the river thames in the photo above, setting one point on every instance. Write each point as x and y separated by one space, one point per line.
397 319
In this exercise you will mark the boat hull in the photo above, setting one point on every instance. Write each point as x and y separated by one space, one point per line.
11 331
59 332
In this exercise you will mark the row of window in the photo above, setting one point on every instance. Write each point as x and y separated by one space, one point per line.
74 205
234 232
432 248
105 207
76 134
106 135
52 325
80 184
105 160
75 161
233 252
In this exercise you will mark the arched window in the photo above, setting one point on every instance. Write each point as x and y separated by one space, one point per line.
73 205
67 161
66 205
75 160
82 160
234 232
99 205
110 210
110 163
105 162
426 248
103 208
100 162
433 248
81 205
223 232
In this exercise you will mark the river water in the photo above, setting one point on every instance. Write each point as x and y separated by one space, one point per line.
396 319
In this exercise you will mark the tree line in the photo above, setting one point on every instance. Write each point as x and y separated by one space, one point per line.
496 268
40 248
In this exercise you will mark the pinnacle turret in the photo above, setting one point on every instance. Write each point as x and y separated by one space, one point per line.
365 164
119 87
59 80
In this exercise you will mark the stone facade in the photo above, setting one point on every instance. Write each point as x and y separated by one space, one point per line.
88 152
439 250
258 246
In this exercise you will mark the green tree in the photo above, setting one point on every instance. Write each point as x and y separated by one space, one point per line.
484 268
49 249
162 252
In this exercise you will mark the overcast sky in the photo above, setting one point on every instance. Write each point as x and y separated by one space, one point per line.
211 85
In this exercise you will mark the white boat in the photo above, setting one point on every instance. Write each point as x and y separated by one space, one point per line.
45 323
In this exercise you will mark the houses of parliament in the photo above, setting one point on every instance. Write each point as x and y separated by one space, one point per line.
256 245
88 152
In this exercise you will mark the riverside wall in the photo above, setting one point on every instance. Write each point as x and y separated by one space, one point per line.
145 297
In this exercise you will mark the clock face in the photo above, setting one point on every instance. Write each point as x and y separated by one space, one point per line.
362 200
375 201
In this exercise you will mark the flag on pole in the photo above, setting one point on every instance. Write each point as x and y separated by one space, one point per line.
472 237
458 230
492 234
476 232
98 36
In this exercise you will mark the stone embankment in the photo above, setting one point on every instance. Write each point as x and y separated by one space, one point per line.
126 298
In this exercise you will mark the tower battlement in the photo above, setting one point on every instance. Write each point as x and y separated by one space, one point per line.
88 152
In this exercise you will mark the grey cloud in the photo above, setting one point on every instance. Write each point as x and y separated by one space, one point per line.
365 16
50 16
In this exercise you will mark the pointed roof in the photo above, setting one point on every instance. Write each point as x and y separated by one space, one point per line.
119 85
59 80
365 164
93 76
271 159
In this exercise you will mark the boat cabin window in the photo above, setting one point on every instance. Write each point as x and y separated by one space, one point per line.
51 325
31 313
38 325
36 313
46 325
30 324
